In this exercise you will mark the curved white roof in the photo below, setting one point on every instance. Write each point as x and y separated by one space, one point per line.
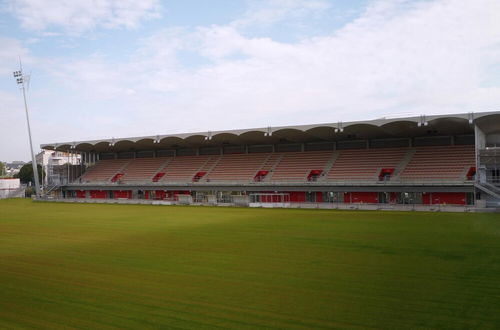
454 124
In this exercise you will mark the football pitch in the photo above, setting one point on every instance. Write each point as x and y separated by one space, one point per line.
136 266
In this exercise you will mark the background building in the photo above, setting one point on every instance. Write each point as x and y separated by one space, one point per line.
57 166
10 188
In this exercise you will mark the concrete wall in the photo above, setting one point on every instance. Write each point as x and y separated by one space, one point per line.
8 186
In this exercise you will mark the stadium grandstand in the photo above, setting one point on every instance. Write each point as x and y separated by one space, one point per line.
423 160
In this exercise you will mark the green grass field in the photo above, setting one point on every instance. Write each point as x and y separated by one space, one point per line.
136 266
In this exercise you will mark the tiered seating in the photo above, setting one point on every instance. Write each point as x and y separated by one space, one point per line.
238 167
183 168
104 170
211 162
439 163
452 163
364 164
143 169
271 161
295 166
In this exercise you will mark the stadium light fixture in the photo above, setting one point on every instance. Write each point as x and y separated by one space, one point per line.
269 132
23 81
471 117
423 121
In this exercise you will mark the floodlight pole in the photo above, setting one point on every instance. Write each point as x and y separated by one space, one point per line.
21 81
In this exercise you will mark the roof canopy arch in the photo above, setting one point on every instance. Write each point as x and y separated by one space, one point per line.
290 135
409 127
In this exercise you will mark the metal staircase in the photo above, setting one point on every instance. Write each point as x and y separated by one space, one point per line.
488 188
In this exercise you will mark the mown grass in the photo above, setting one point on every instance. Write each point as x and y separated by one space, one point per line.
124 266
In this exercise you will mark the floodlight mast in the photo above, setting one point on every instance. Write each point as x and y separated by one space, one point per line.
21 80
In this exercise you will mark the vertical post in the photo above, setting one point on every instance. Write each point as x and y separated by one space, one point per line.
43 168
81 163
21 80
67 170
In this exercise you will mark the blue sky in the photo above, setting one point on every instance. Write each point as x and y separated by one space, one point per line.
107 68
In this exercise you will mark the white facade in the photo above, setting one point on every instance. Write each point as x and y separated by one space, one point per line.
11 188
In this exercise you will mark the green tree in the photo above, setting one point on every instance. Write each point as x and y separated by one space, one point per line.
2 169
26 173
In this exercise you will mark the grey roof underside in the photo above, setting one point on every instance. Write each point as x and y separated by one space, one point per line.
451 124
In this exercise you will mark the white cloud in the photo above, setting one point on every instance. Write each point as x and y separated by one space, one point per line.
397 57
10 51
77 16
272 11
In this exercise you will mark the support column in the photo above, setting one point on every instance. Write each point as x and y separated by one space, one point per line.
81 163
67 163
480 141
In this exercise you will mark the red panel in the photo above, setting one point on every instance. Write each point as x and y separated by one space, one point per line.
393 197
158 176
100 194
426 198
313 174
347 197
448 198
319 197
471 173
297 196
160 194
122 194
80 194
364 197
260 175
198 176
117 177
385 172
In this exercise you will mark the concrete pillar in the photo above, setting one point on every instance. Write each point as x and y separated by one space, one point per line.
480 143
